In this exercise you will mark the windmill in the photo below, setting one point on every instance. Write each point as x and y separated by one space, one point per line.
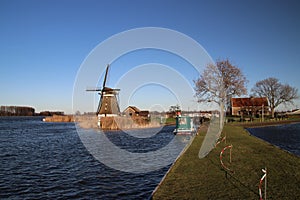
108 103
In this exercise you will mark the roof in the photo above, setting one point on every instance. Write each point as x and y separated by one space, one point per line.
135 109
107 90
144 113
294 112
255 101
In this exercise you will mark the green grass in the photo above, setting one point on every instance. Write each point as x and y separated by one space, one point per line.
170 121
194 178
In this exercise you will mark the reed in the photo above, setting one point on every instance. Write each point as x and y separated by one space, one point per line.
116 123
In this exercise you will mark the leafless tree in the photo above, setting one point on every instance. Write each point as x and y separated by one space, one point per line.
219 82
276 92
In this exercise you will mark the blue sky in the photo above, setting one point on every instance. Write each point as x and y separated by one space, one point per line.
43 43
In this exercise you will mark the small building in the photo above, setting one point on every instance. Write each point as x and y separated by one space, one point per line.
133 111
144 113
251 106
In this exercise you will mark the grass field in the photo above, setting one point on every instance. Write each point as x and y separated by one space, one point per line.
194 178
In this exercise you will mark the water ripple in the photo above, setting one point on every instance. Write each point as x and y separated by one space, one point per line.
286 136
48 161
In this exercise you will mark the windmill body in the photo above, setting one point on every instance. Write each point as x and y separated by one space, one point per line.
108 104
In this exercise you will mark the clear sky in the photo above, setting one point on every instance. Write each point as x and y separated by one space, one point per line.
43 44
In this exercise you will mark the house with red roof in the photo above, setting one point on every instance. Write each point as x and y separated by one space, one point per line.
251 106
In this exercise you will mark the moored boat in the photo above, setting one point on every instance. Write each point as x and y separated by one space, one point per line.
184 126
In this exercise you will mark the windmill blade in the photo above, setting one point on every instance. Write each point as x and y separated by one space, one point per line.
105 77
103 88
99 105
93 89
100 102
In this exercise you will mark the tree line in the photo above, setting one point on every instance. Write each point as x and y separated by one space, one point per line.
221 81
16 111
25 111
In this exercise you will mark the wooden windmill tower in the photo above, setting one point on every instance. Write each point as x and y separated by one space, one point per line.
108 103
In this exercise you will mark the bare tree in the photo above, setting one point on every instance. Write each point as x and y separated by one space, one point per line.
276 92
218 83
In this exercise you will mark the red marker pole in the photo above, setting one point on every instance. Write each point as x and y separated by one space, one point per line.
266 184
230 153
221 157
264 177
219 141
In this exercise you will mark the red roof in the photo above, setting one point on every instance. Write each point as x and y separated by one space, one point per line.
255 101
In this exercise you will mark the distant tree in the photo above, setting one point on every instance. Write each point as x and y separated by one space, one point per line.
174 108
219 82
276 92
78 112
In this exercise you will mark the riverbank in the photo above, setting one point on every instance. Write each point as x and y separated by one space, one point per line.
194 178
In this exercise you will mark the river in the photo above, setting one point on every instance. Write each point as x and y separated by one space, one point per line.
286 136
42 160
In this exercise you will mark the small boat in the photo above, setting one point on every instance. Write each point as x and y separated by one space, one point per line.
184 126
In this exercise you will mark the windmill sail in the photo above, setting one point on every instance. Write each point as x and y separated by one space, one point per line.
105 77
103 90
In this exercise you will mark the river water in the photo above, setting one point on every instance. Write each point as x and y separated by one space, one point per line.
286 137
49 161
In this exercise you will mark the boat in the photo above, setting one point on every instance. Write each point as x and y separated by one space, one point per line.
184 126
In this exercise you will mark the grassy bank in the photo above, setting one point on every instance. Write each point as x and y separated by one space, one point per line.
194 178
